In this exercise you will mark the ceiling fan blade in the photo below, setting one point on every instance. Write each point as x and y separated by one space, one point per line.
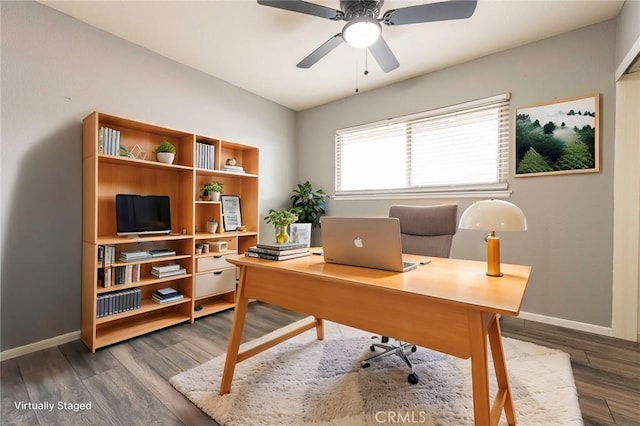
321 51
383 55
431 12
305 7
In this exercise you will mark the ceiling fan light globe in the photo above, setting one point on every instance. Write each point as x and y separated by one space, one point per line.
361 32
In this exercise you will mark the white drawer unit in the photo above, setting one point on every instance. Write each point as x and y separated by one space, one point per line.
217 282
211 263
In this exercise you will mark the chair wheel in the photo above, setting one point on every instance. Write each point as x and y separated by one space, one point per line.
413 348
412 378
372 348
385 339
365 365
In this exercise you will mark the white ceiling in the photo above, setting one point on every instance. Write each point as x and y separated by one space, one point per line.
257 47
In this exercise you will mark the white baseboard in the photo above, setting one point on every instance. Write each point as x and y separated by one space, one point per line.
75 335
38 346
574 325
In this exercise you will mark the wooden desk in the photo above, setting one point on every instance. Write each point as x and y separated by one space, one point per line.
449 305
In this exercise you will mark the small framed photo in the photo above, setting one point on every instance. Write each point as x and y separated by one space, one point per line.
301 233
231 214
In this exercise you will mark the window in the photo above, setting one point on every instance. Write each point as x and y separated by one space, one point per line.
454 149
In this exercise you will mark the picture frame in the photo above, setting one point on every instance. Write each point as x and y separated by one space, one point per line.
300 233
231 212
558 137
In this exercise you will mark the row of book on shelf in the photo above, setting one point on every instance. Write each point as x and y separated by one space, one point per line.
108 141
204 155
278 251
117 302
119 275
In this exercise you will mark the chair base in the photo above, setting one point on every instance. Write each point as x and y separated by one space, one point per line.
397 348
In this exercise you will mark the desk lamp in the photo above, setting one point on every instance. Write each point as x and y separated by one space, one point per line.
493 215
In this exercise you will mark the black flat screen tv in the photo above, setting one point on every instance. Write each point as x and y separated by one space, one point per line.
143 214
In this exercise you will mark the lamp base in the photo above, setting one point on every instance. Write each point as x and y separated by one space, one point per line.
493 256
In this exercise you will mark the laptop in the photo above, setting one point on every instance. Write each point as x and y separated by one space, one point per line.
372 242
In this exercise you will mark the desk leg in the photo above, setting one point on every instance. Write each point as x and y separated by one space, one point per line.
479 368
319 328
504 391
235 337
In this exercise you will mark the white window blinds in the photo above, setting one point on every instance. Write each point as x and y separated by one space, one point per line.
459 148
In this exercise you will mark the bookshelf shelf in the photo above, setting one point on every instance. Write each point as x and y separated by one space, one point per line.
128 327
199 159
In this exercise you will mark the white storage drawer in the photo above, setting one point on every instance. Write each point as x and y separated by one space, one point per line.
213 283
212 262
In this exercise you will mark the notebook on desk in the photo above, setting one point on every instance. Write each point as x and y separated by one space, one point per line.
368 242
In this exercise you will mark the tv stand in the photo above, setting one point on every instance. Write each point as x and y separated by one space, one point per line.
205 280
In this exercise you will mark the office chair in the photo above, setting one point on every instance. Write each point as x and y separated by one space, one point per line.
426 231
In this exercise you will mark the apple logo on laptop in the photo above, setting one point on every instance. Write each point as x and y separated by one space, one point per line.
358 242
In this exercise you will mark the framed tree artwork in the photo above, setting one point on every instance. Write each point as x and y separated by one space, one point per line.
558 137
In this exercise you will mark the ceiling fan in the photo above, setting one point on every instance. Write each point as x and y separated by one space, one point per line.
363 29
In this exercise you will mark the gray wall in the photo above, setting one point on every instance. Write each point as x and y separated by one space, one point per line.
569 242
55 71
628 29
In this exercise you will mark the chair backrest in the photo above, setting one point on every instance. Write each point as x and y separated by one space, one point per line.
427 230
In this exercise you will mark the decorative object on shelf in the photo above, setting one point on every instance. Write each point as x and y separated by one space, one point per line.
310 204
212 226
211 191
124 152
281 219
218 246
137 152
493 215
165 152
558 137
301 233
231 214
231 165
199 246
241 228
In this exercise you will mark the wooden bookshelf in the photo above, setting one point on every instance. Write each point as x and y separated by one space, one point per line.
104 176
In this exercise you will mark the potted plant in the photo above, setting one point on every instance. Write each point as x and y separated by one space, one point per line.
309 204
212 226
212 190
281 219
165 152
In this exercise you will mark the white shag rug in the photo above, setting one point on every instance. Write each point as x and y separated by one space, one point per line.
304 381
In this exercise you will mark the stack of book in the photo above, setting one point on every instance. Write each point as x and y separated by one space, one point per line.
132 256
278 251
167 270
235 169
166 295
161 252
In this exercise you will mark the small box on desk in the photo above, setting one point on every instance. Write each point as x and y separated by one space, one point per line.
218 246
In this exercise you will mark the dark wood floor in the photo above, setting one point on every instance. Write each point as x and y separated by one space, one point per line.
127 383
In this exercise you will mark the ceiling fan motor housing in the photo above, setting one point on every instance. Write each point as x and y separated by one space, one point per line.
361 8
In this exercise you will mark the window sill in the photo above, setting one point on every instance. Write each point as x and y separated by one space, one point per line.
495 193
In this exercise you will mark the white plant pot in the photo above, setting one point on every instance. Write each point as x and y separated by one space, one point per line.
165 157
215 196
